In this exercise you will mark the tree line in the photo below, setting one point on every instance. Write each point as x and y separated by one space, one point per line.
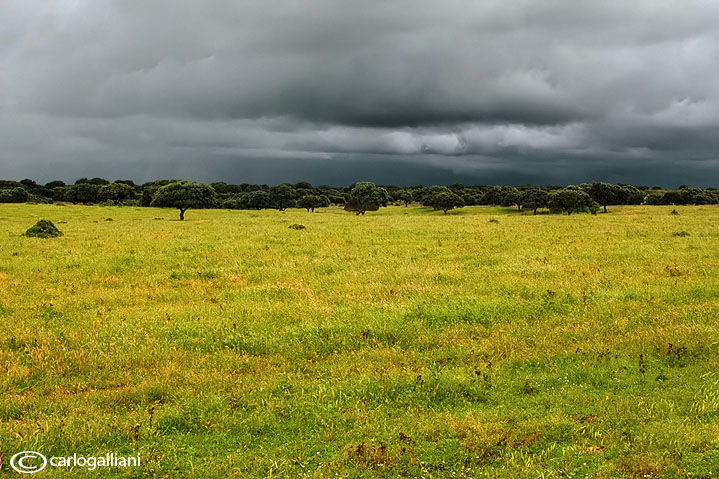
358 198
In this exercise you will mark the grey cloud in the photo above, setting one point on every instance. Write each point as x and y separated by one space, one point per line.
514 90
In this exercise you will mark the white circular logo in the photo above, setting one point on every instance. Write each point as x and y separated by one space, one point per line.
28 462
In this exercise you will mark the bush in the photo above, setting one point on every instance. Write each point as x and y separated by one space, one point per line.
13 195
43 229
231 204
41 200
655 199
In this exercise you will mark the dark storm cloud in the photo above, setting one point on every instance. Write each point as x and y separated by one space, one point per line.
406 91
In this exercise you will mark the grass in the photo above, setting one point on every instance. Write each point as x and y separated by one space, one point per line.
404 343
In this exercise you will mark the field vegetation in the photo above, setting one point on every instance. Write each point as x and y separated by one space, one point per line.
406 342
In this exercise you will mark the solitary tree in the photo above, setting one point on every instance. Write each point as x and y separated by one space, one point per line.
310 202
445 201
366 196
569 200
535 198
184 195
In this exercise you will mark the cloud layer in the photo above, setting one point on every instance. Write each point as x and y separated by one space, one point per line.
400 91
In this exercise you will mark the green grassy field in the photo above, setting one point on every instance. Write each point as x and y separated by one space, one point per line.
403 343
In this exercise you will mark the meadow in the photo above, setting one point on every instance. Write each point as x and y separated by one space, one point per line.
403 343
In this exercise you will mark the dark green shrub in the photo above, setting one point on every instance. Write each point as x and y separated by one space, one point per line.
43 229
13 195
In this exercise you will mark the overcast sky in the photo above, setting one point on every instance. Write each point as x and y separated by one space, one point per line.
336 91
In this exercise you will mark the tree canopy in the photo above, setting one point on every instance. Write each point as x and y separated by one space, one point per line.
403 195
184 195
365 196
310 202
82 193
534 198
569 200
116 192
444 199
13 195
282 197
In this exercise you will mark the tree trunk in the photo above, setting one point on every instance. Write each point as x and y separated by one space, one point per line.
182 214
519 208
605 208
535 211
445 211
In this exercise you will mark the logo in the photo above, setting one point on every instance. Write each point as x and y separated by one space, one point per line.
28 462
